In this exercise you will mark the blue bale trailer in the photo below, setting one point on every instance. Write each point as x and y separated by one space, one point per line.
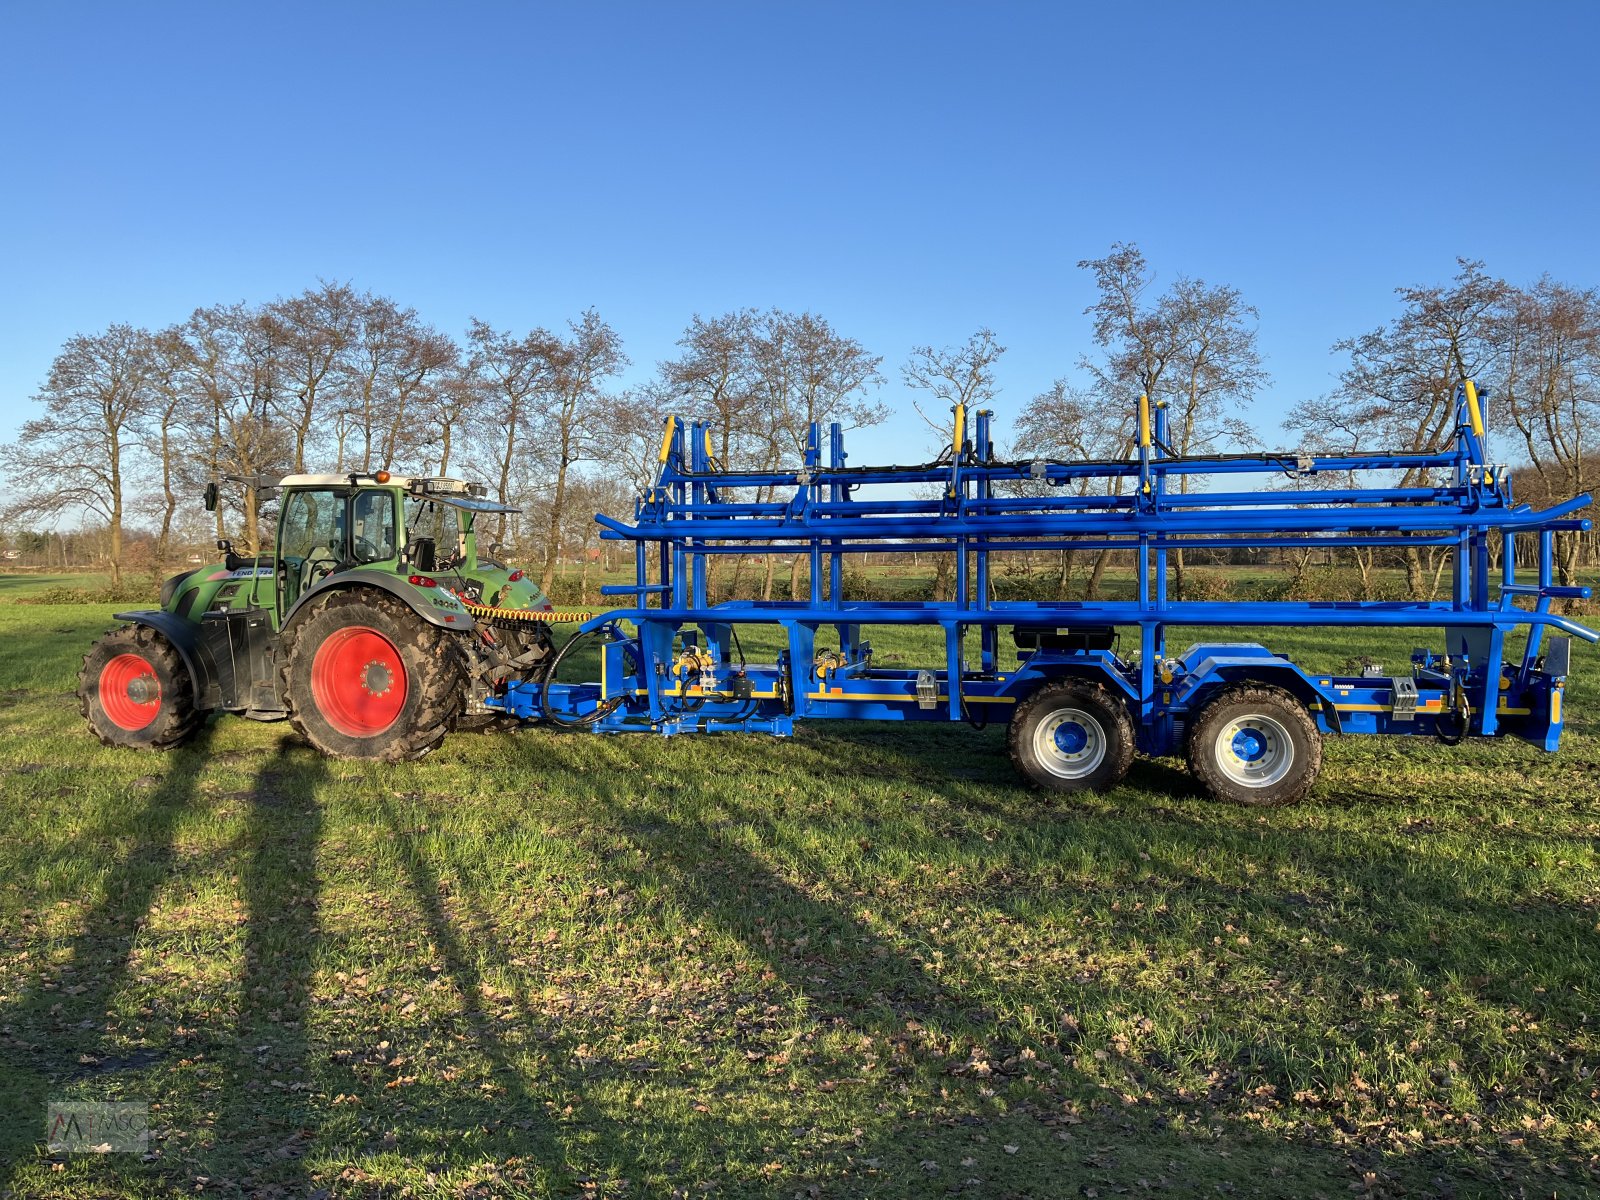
1250 721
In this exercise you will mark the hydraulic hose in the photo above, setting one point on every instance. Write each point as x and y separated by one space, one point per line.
566 722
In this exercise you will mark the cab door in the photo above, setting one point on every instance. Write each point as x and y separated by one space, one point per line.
311 542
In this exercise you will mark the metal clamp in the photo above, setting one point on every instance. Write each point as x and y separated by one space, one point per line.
1405 698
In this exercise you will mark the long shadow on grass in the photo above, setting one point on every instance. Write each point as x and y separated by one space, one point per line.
266 1118
523 1116
846 970
46 1034
1377 917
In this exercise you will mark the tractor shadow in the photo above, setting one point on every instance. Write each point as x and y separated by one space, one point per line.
267 1116
518 1124
47 1034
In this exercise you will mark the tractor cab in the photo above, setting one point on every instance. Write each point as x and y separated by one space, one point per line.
418 531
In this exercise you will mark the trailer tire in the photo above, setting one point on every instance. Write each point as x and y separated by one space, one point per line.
1256 745
134 690
368 678
1071 737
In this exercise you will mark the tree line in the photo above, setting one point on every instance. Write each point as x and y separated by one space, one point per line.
131 423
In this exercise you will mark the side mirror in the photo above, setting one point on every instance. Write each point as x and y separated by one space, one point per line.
212 496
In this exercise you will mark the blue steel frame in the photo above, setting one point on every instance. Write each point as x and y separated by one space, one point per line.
662 676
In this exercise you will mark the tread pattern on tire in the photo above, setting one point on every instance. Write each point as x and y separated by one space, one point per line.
1079 693
179 719
436 675
1277 702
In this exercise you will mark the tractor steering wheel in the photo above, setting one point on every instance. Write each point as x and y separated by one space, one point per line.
366 551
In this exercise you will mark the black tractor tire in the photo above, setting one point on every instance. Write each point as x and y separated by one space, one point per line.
1256 744
1072 736
367 678
514 642
134 690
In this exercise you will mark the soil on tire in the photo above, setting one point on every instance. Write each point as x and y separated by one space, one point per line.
172 719
433 660
1243 700
1092 698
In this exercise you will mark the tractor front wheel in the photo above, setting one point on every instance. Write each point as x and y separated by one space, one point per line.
135 691
368 678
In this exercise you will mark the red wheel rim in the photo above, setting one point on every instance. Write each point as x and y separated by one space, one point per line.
130 693
358 681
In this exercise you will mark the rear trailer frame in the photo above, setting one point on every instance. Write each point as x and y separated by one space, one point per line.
672 661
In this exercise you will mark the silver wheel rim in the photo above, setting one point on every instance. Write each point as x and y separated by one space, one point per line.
1069 743
1255 750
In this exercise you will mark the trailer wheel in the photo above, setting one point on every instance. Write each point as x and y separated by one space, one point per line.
135 691
1071 737
368 678
1256 745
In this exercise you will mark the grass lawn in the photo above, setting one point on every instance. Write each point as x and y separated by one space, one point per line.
863 961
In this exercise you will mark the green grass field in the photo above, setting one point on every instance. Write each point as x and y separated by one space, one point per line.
863 961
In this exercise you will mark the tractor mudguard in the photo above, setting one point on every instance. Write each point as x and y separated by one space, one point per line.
185 639
434 605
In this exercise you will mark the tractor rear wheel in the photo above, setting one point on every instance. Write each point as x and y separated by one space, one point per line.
1071 737
367 677
1255 744
135 691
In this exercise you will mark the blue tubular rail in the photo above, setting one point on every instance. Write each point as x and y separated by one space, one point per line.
673 662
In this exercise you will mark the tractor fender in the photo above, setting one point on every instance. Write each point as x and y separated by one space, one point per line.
185 639
434 605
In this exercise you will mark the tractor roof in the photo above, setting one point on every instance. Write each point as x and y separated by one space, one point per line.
432 483
457 493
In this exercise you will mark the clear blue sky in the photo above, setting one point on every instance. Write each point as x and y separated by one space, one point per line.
910 171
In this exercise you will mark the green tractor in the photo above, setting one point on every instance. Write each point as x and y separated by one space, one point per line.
374 625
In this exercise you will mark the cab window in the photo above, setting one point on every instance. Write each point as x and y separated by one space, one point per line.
311 539
372 527
429 519
312 525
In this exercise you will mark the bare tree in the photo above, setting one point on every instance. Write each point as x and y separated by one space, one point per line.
714 379
514 373
570 423
79 455
1071 423
1551 390
1398 390
386 370
230 373
165 435
1192 349
803 372
309 335
954 375
450 406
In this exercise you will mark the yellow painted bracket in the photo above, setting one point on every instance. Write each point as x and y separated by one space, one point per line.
1474 411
